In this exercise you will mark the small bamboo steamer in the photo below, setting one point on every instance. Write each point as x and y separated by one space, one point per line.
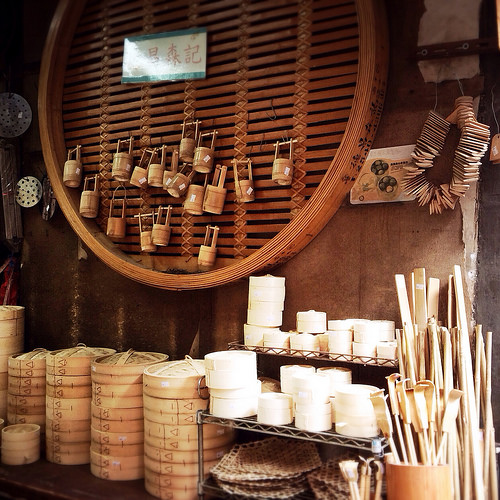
117 390
68 425
171 493
188 432
69 381
117 462
20 457
69 392
20 433
174 379
116 414
111 474
117 402
174 443
25 386
27 444
20 444
118 426
116 438
176 406
74 360
68 436
177 468
117 450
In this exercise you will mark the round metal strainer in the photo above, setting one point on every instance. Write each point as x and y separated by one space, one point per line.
15 115
29 191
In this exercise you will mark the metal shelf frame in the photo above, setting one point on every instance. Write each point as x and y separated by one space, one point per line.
329 356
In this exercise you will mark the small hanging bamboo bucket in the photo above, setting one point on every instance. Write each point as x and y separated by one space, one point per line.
193 204
208 251
189 138
215 194
72 175
283 166
244 188
180 184
160 235
117 226
204 155
146 234
139 176
156 170
89 200
170 173
123 161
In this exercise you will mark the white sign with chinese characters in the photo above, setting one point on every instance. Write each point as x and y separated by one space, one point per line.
174 55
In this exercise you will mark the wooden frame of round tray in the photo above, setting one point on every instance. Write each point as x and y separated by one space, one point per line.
306 71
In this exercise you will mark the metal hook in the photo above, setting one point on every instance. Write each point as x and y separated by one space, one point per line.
272 118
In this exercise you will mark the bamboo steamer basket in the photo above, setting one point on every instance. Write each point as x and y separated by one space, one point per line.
171 493
15 418
170 481
117 390
129 363
67 436
117 402
155 429
117 425
177 468
172 418
25 386
70 409
11 321
69 448
28 373
82 391
68 425
115 462
26 401
188 406
116 438
67 454
185 457
20 444
116 414
21 457
74 360
25 410
116 450
112 474
175 380
11 345
68 381
189 444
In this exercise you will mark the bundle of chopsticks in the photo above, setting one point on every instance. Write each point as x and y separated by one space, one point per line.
440 401
360 480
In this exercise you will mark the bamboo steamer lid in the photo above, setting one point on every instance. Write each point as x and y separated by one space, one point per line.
171 493
74 360
62 392
112 474
67 436
117 425
117 462
116 414
177 406
116 438
68 380
174 443
117 390
117 402
175 379
20 432
177 468
33 360
26 386
189 432
68 425
117 450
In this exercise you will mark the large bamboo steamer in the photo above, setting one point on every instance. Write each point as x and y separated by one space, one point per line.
14 400
117 390
33 360
175 443
117 462
76 448
117 425
174 406
185 457
181 379
113 450
62 392
68 436
74 360
68 425
26 410
190 432
68 380
26 386
70 404
116 414
72 412
172 482
177 468
116 474
16 418
170 418
26 372
171 493
116 438
117 402
11 321
74 458
125 364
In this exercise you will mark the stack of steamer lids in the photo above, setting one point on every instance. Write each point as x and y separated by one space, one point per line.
387 345
287 372
340 335
266 301
117 423
338 376
311 328
368 334
173 392
20 444
354 413
231 378
311 397
11 342
26 388
68 400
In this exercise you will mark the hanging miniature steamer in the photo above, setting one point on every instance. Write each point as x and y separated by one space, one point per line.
117 226
204 155
89 199
72 175
283 164
123 161
208 251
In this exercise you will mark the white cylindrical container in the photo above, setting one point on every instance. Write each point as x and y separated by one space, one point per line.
231 360
287 372
364 353
340 341
387 350
387 330
263 316
251 390
311 321
233 408
314 417
366 331
340 324
352 426
258 294
305 342
275 408
310 388
338 376
253 335
267 281
278 340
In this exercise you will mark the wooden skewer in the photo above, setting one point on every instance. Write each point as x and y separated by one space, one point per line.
349 469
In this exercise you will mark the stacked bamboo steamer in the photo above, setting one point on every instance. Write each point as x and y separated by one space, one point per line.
68 400
11 342
20 444
173 393
117 430
26 388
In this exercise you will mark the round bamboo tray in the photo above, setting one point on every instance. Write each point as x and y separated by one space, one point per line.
126 363
353 56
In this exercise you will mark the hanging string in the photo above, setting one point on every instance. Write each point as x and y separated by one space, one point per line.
436 96
460 86
493 108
